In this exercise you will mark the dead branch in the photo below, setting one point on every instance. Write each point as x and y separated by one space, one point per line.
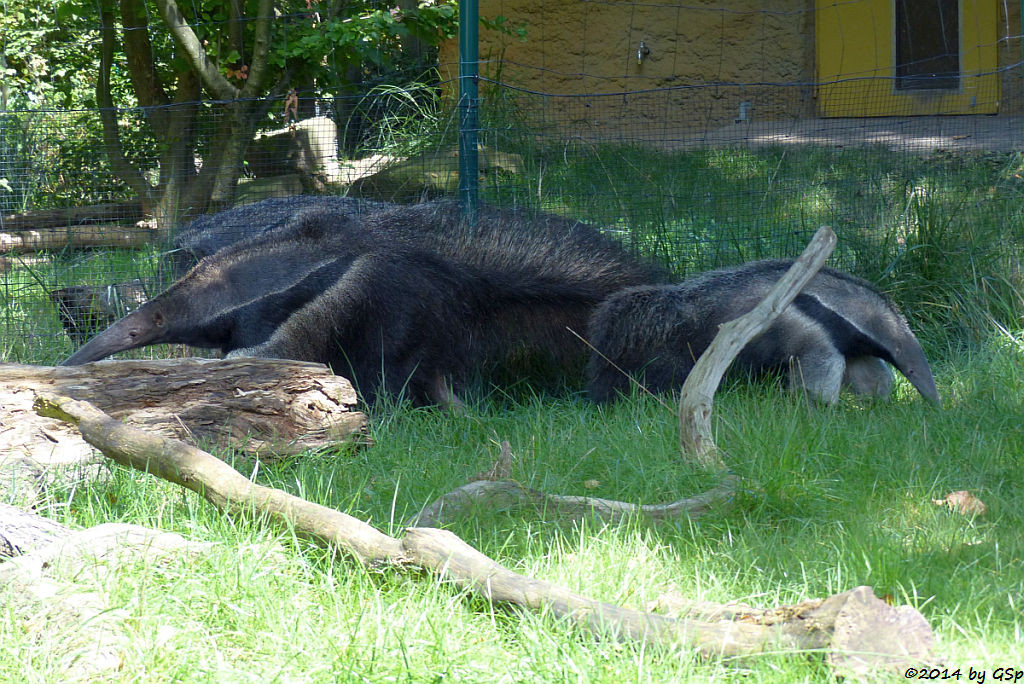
695 438
216 481
447 555
75 217
501 494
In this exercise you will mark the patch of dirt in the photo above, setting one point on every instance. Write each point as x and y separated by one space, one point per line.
922 134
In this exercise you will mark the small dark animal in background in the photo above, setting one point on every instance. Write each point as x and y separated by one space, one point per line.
84 309
407 297
839 331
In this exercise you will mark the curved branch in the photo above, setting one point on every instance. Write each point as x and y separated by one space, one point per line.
698 392
861 632
108 114
209 72
505 493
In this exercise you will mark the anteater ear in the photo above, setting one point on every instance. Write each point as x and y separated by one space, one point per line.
158 319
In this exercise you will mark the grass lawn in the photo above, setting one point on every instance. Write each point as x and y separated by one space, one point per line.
831 497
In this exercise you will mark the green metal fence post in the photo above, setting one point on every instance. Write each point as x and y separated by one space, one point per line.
469 68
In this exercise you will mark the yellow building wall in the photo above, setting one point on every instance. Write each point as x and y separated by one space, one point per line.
855 45
713 55
589 49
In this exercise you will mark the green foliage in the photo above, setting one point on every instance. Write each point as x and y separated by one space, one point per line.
54 160
365 33
317 49
44 63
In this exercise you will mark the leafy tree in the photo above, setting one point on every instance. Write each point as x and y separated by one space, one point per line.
205 74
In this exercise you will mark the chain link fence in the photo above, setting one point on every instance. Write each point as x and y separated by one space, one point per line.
700 147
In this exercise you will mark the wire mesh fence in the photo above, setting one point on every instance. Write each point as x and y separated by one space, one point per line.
701 135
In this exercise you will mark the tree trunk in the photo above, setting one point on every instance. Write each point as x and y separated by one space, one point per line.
69 217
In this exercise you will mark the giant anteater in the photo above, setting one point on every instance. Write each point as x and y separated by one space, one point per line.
212 232
837 332
349 290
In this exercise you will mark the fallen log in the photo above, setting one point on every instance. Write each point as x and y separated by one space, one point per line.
263 407
883 636
22 532
125 212
91 235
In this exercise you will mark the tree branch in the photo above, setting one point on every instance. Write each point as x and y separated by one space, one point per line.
695 438
217 482
260 50
872 634
138 50
501 494
209 72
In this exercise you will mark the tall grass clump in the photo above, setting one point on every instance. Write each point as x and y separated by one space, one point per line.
956 264
402 120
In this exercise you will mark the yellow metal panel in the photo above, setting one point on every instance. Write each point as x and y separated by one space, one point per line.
856 71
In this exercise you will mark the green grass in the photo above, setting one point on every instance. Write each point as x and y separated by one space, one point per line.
832 498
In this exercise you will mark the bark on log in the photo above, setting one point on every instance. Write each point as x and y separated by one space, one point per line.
906 636
22 532
259 406
695 438
92 235
125 212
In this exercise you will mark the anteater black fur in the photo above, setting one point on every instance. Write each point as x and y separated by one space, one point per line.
837 332
406 297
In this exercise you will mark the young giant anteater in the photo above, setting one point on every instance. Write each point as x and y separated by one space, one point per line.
404 295
839 331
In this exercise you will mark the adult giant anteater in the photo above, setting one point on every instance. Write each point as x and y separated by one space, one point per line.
212 232
839 331
342 289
